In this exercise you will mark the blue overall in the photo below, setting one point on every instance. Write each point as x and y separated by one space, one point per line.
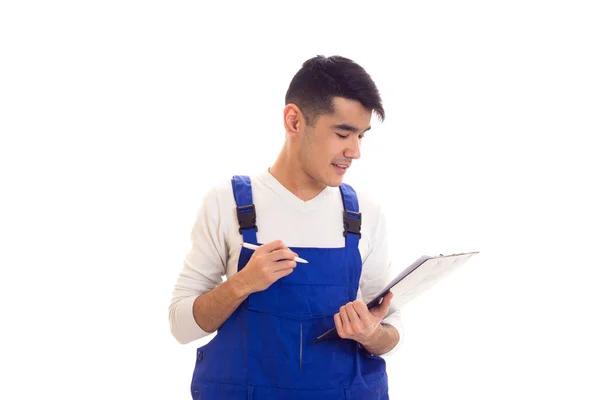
266 349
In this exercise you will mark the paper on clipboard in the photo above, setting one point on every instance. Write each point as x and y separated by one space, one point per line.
420 276
414 280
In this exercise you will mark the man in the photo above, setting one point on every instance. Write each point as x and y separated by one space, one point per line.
270 309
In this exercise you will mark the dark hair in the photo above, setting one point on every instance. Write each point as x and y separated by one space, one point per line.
322 78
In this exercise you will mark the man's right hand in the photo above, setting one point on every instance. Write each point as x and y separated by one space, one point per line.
269 263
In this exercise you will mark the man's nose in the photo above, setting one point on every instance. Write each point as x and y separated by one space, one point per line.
353 149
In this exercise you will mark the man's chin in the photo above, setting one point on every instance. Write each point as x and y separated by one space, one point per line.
335 182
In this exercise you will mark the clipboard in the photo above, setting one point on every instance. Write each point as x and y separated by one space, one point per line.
419 276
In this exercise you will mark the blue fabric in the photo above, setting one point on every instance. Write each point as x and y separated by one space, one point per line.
350 202
266 349
242 191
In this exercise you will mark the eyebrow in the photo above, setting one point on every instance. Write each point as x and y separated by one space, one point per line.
347 127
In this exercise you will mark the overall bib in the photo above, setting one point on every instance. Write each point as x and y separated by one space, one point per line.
266 349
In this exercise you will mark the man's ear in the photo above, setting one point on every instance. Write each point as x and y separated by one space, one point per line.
293 120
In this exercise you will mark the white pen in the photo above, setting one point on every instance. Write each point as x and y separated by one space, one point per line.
254 247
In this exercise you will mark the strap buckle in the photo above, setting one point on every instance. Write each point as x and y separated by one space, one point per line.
352 222
247 217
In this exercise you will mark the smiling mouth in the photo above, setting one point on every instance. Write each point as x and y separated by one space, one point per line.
343 166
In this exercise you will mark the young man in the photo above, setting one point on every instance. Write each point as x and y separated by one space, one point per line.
270 309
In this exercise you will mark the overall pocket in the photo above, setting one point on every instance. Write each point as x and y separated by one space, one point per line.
301 301
276 352
212 391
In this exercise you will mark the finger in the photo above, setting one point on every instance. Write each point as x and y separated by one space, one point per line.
354 318
339 327
389 297
387 300
344 318
284 272
282 254
271 246
283 265
361 309
382 309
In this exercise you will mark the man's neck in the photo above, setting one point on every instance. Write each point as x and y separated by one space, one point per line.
294 179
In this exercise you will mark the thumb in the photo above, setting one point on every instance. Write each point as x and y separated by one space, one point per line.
272 246
382 309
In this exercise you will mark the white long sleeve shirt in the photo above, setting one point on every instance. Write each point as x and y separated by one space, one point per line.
280 215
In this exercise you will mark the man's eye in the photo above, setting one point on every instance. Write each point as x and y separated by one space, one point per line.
346 136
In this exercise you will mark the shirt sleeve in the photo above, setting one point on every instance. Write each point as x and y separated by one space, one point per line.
203 269
377 272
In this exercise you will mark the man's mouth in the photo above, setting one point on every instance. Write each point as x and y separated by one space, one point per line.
341 167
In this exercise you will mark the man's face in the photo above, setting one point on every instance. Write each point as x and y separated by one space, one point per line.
328 148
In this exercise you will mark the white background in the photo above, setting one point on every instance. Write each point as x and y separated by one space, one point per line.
117 116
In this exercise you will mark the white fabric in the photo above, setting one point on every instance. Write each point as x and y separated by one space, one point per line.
281 215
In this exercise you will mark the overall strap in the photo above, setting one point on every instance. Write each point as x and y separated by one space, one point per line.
352 217
246 213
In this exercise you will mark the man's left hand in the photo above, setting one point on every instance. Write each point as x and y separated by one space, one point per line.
355 321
